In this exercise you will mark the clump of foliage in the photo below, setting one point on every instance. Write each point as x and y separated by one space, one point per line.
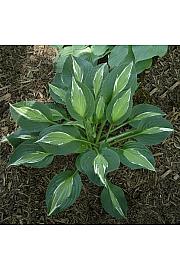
93 117
141 55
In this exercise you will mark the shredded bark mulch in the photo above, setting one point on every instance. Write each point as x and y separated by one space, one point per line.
153 198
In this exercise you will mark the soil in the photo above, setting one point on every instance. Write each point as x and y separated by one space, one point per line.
153 198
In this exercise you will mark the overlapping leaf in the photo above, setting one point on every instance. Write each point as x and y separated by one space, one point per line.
100 108
114 201
119 108
31 154
100 167
154 130
135 155
62 192
143 52
142 112
86 163
97 81
122 80
30 119
58 94
66 140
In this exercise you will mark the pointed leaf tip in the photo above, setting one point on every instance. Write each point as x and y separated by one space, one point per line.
122 79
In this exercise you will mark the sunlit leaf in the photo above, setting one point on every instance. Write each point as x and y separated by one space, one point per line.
121 106
78 74
57 138
78 99
97 81
31 114
58 94
114 201
100 108
29 158
100 166
62 191
122 79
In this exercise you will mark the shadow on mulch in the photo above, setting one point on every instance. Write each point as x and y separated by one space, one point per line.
153 198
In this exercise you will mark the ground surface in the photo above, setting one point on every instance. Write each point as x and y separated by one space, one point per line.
153 198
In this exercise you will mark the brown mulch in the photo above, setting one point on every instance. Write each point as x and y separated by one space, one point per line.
153 198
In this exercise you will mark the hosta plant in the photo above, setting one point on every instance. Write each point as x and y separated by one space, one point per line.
93 117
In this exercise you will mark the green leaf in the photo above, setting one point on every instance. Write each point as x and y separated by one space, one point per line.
57 112
68 72
74 123
86 163
74 146
30 154
97 81
135 155
118 55
142 65
109 81
114 201
57 138
58 94
100 108
141 112
145 115
99 49
121 106
100 166
19 136
143 52
75 50
63 191
78 74
25 122
29 158
30 114
154 130
86 97
112 157
78 99
122 79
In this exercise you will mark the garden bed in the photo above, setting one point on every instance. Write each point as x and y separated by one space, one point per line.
153 198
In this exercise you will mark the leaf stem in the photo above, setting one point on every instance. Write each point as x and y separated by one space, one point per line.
124 124
86 142
100 131
124 136
111 125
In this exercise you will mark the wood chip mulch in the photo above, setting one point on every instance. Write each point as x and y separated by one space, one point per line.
153 198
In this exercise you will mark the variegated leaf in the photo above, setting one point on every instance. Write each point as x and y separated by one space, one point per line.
31 114
30 158
137 158
100 166
115 202
59 92
78 99
154 130
57 138
61 193
122 79
97 81
121 106
78 74
100 108
145 115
